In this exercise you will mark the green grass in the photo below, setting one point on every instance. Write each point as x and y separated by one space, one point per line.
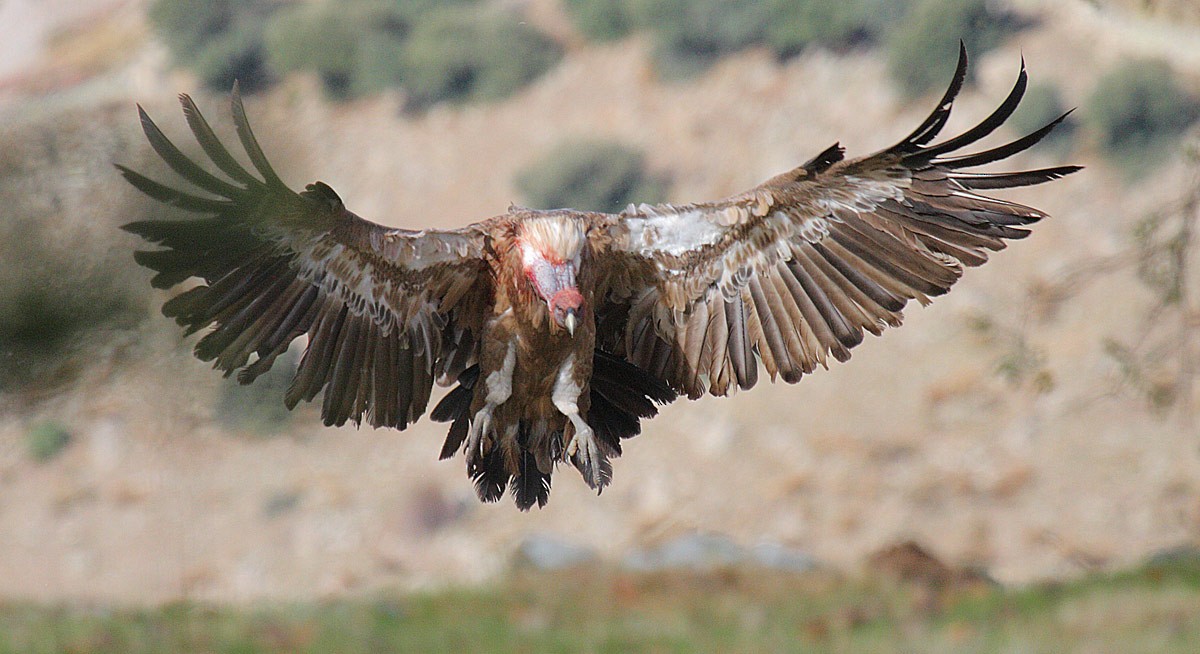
46 440
1155 608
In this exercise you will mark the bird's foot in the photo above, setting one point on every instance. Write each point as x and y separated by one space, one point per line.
477 441
584 452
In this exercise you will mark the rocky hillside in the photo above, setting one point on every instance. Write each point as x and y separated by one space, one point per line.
996 427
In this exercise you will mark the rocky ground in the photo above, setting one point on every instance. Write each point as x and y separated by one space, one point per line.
991 428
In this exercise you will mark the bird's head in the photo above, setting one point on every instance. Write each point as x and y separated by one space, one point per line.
551 253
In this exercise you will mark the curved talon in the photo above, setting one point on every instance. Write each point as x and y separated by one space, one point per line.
477 441
584 452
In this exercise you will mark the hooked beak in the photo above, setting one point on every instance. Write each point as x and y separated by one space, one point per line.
555 283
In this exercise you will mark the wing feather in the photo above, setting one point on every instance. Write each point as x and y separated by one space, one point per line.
382 308
796 269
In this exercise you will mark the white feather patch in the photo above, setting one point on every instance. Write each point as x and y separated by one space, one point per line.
670 230
566 392
814 230
499 382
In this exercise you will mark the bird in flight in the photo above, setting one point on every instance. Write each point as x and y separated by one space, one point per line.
560 330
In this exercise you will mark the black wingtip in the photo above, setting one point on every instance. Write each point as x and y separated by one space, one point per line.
1004 151
249 142
933 124
985 127
825 159
144 118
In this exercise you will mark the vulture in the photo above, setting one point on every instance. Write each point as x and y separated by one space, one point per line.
559 330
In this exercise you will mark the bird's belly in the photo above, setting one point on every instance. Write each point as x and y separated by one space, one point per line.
535 378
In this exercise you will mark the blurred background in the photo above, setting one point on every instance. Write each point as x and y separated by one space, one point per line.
1036 427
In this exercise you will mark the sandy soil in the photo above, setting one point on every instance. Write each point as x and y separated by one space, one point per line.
917 437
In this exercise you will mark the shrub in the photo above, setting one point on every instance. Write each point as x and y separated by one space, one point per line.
922 49
798 24
220 40
46 440
436 51
258 408
591 176
61 291
602 20
323 37
691 34
1042 104
69 288
1137 109
355 47
462 54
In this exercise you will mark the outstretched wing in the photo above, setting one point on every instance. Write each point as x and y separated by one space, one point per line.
385 310
798 268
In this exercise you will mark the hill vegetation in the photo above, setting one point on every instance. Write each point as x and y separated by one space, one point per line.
589 175
455 51
1147 609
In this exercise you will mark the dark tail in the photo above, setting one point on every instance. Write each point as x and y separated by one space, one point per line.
621 395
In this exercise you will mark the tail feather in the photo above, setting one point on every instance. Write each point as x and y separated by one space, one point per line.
621 395
455 408
530 485
490 475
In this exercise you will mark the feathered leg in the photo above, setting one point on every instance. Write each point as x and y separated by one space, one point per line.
498 386
583 449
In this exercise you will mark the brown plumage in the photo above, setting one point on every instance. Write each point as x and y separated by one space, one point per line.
560 330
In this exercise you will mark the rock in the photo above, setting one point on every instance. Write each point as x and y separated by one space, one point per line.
692 551
910 563
1180 556
549 553
707 551
777 556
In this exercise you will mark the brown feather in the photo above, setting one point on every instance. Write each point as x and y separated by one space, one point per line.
814 335
744 366
848 297
829 327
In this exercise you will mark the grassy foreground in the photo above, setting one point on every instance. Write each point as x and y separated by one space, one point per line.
1155 608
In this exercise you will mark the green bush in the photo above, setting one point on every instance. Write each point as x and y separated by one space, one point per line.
220 40
357 47
463 54
46 440
601 20
1042 104
590 176
1138 109
322 37
799 24
691 34
257 408
57 298
69 289
923 48
436 51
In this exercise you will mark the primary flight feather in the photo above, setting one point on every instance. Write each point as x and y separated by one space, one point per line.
560 330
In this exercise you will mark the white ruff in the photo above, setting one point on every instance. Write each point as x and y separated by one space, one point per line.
554 237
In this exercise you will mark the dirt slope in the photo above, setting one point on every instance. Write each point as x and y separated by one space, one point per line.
917 437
